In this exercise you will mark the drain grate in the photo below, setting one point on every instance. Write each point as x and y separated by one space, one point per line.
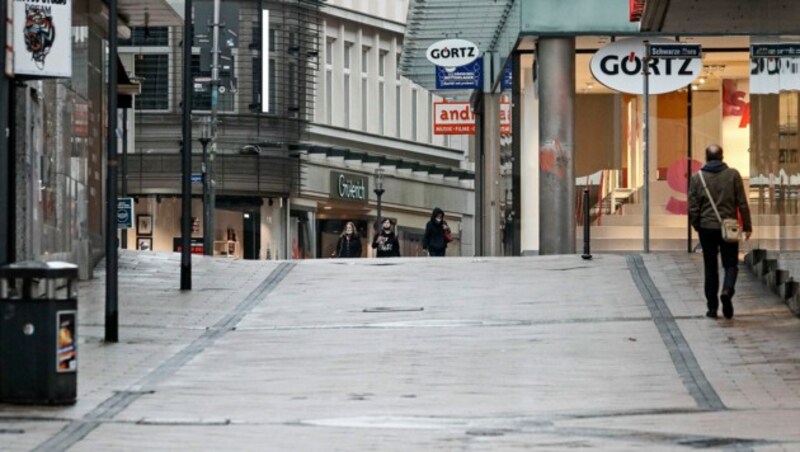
391 309
11 431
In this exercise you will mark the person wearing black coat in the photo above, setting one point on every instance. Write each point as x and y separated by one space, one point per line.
436 234
349 243
385 242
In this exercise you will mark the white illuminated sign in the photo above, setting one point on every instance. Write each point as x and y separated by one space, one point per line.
619 66
452 53
265 61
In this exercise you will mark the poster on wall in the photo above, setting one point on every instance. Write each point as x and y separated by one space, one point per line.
43 38
66 350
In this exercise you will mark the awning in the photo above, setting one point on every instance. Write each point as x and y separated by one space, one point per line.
721 17
479 21
151 13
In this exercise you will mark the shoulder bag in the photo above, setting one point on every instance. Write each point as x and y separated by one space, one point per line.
731 232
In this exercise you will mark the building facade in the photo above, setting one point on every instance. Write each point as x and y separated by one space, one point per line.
575 126
338 113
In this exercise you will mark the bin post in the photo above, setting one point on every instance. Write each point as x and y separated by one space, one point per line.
38 333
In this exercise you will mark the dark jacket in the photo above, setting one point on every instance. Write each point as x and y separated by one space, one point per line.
390 246
348 246
434 233
726 187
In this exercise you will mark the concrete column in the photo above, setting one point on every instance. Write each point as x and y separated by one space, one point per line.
492 192
556 61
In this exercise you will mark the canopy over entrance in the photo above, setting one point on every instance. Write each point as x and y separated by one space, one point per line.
721 17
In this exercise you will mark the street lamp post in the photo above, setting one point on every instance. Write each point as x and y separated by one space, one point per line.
208 237
378 192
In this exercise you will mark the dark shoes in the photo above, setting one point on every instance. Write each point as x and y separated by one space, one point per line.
711 314
727 305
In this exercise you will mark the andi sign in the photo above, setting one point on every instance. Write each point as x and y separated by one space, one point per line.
350 187
619 66
453 118
452 53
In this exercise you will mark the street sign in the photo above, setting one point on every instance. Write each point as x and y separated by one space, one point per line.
507 82
197 178
784 49
675 51
124 213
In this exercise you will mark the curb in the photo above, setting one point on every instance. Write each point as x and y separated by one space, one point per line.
779 281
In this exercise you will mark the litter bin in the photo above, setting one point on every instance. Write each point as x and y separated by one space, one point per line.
38 333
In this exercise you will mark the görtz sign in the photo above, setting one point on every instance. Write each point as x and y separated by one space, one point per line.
452 53
349 187
619 66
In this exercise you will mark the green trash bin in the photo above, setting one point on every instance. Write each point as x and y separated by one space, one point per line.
38 333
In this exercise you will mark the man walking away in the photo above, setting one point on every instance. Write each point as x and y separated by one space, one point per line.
727 193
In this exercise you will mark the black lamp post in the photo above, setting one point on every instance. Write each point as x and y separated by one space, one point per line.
379 192
208 234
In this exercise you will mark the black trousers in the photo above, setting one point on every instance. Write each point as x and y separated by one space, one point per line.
713 246
436 251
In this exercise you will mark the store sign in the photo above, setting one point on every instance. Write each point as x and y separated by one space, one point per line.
505 116
462 77
774 68
619 66
124 213
350 187
507 82
635 10
452 53
453 118
43 38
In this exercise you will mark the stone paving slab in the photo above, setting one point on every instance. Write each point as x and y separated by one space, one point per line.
426 354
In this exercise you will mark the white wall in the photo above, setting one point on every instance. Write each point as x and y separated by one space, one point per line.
394 10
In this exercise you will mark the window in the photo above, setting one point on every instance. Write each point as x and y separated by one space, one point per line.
147 37
201 95
153 71
414 114
364 103
398 111
397 68
348 49
381 107
347 100
329 51
329 95
364 60
430 117
382 64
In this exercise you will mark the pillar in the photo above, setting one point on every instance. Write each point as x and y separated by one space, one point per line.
556 63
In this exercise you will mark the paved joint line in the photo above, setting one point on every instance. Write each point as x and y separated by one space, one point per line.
681 353
76 430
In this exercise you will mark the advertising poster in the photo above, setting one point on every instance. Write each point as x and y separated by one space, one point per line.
463 77
66 347
43 38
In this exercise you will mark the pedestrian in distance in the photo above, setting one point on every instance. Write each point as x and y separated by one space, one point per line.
716 196
349 244
437 234
385 242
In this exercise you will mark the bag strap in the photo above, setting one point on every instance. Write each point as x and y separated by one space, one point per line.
708 193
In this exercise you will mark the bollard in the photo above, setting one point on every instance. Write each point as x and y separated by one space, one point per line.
586 220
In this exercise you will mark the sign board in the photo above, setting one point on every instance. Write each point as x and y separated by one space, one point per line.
635 10
505 116
197 178
675 51
507 82
453 118
619 66
124 213
265 61
43 38
9 53
773 75
66 342
462 77
777 50
349 187
452 53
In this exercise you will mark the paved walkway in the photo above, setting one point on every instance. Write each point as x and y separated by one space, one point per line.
425 354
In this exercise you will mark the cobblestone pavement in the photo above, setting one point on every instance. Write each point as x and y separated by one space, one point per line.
425 354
